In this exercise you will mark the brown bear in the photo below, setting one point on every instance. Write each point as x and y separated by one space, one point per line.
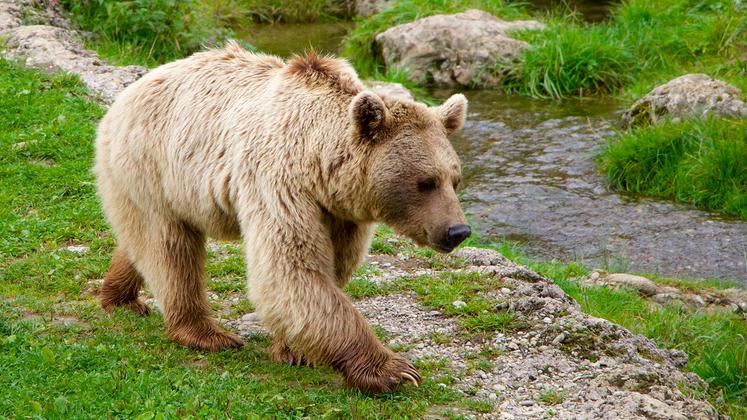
296 158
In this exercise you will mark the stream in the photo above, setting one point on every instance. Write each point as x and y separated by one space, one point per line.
530 178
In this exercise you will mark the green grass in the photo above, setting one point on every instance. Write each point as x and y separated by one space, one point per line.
698 161
551 397
359 45
643 44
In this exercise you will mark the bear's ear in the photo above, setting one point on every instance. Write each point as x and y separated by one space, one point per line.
453 112
368 113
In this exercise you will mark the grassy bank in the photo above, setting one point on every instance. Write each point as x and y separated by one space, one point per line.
643 43
696 161
62 356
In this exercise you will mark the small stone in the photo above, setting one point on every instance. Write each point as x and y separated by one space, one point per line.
78 249
505 290
250 317
559 338
527 403
459 304
493 396
547 320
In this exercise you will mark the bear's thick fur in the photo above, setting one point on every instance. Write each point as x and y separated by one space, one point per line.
296 158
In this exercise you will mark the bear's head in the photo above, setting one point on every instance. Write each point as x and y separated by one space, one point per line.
413 172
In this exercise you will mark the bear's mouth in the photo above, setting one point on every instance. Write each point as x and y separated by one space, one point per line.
442 248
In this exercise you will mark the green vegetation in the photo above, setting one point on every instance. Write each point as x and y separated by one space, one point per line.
144 31
359 45
551 397
697 161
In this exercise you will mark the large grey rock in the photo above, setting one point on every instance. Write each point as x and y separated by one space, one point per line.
688 95
454 50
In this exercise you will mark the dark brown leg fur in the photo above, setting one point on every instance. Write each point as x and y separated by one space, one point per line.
121 285
183 300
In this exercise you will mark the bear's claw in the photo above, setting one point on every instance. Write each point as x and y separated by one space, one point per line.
210 339
136 306
281 353
386 378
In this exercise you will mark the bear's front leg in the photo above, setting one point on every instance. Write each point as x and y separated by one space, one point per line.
292 283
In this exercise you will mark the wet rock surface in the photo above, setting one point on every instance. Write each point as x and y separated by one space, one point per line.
593 368
55 48
454 50
689 95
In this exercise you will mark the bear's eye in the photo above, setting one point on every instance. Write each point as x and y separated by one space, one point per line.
427 185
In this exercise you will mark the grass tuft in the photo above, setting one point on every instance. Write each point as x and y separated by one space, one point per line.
698 161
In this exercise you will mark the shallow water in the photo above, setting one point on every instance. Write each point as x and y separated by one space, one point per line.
287 39
530 177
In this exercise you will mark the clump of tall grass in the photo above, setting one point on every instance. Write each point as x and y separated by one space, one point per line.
359 45
697 161
570 58
144 31
641 41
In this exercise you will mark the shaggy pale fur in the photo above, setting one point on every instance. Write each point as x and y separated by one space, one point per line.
298 160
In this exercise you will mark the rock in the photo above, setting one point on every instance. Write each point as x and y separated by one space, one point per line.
52 48
643 285
688 95
10 16
459 304
664 298
454 50
396 90
367 8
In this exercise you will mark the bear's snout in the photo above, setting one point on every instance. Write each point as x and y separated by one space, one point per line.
455 235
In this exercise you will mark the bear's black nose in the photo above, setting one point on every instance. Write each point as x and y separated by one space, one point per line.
457 234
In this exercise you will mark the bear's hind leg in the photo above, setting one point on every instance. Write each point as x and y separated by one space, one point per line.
122 284
173 264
